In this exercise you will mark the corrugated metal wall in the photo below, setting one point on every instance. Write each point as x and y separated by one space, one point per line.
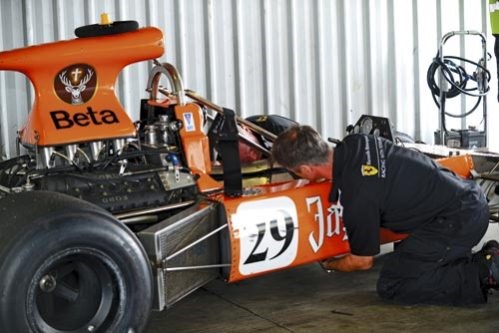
321 62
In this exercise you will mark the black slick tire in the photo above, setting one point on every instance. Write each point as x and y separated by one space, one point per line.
68 266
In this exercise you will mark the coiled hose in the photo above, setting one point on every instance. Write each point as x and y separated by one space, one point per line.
456 76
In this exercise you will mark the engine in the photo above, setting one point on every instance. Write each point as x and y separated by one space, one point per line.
128 177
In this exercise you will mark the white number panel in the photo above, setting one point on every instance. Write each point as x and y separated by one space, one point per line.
268 235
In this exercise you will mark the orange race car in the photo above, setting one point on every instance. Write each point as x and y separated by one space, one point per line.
104 219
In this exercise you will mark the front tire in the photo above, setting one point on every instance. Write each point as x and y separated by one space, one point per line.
69 266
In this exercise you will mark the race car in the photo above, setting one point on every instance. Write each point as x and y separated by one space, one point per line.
104 219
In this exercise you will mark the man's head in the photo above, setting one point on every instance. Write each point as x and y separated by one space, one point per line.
302 150
247 153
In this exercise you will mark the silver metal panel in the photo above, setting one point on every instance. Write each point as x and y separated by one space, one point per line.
321 62
183 243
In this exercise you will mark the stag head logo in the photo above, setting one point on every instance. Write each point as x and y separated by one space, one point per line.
75 84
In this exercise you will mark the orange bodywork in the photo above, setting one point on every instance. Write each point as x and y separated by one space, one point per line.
285 225
86 70
461 165
196 146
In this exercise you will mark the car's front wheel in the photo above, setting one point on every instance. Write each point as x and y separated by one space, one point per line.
68 266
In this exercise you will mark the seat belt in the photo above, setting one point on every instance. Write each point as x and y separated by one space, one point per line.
228 144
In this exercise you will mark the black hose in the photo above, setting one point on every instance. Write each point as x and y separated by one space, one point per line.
458 79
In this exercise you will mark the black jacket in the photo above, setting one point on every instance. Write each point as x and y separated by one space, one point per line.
381 184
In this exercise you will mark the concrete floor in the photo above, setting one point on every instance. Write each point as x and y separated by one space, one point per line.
308 300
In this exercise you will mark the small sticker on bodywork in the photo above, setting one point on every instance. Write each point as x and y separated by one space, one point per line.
189 122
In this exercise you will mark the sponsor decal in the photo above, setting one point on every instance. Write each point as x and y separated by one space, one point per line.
75 84
267 231
63 119
328 226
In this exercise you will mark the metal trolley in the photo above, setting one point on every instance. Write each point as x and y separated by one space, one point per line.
452 82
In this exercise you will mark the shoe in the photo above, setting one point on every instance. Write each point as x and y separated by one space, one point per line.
488 261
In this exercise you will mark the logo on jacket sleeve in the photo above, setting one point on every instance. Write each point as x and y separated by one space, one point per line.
368 170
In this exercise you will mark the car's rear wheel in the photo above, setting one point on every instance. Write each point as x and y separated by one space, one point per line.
68 266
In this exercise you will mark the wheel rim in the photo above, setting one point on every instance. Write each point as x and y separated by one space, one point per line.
77 290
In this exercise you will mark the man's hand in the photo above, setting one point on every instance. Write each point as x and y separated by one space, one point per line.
348 263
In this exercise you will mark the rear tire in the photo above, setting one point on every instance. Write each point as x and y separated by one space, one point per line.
69 266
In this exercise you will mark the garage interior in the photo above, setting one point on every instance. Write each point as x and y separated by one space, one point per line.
318 62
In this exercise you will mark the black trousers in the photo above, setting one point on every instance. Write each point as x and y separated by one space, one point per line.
433 265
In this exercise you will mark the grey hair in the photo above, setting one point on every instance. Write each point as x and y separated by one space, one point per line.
300 145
